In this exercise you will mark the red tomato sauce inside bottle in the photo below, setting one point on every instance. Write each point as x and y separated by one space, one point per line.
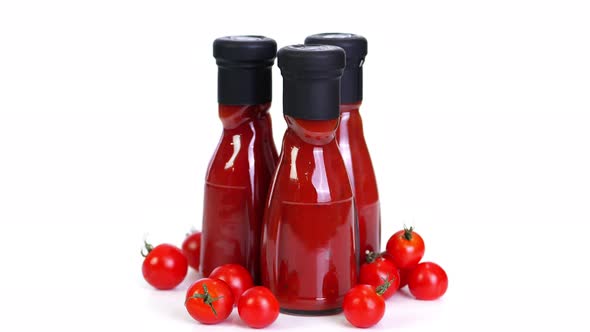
351 138
362 177
309 252
242 166
236 186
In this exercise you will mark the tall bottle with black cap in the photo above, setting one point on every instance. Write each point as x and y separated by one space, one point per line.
241 169
309 253
351 139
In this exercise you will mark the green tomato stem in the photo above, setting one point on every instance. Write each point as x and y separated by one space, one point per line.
381 289
148 248
206 297
408 233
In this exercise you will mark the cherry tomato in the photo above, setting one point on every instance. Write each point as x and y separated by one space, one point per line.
406 248
209 301
191 248
378 270
363 307
258 307
428 281
164 266
235 276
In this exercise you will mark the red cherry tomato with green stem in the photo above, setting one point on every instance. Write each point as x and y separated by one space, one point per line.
164 266
428 281
191 248
378 271
235 276
406 248
209 301
258 307
363 306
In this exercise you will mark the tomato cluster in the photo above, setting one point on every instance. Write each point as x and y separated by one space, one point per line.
383 274
211 300
427 280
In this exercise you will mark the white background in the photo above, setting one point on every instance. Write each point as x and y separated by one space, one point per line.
477 115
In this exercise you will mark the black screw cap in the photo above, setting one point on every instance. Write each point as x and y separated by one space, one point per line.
245 69
355 47
311 80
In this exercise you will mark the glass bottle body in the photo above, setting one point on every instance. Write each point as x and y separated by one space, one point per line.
352 145
309 251
236 187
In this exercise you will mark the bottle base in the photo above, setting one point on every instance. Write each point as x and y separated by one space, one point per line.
325 312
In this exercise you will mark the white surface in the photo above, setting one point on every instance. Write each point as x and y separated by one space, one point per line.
477 115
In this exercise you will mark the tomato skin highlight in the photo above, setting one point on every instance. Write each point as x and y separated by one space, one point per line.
363 307
258 307
428 281
218 292
376 272
235 276
191 248
406 248
164 267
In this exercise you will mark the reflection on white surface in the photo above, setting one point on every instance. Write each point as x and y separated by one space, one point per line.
293 166
319 178
237 143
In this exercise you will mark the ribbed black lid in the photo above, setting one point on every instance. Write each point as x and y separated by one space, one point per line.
245 69
355 47
311 80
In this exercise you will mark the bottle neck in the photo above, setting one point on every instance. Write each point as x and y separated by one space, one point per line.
351 124
351 107
314 132
234 116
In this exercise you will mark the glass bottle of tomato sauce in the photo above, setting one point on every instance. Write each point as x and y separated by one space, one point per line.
309 251
241 169
351 139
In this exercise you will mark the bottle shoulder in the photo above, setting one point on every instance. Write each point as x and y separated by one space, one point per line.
240 154
235 117
311 173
